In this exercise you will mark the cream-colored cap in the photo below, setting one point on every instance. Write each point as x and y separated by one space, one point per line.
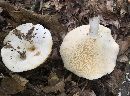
89 56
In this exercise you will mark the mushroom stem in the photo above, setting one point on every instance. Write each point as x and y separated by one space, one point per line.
94 25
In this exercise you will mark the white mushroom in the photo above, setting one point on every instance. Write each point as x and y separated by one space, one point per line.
89 51
26 47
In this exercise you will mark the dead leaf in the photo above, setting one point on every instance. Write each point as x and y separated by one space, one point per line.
62 94
58 87
73 91
123 12
53 79
13 84
76 94
88 93
58 6
47 4
69 78
1 9
123 45
109 5
55 3
109 21
22 81
55 54
2 93
123 58
128 39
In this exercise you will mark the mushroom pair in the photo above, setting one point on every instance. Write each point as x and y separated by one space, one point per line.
88 51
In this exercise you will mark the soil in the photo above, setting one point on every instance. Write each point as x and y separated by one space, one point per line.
61 16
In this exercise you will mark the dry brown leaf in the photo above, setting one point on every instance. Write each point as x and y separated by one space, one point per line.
109 5
128 39
2 93
73 90
55 3
123 12
88 93
1 9
58 6
14 84
110 21
62 94
123 58
55 54
58 87
123 46
69 78
22 81
47 4
53 79
76 94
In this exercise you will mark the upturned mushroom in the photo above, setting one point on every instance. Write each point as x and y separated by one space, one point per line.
26 47
89 51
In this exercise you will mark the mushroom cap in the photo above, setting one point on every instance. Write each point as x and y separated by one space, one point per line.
89 56
26 47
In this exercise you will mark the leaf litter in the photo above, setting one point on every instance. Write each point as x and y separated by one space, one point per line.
43 81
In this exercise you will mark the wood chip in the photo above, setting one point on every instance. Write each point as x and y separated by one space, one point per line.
13 84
